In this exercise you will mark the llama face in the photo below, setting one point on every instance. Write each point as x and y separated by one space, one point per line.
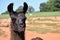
20 21
18 18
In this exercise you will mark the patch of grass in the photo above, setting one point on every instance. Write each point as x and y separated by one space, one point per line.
54 25
36 14
51 24
1 32
30 22
39 30
42 30
55 31
4 16
46 20
43 14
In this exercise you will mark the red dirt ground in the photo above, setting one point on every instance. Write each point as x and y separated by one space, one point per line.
29 34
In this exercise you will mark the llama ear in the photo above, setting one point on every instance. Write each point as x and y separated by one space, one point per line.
10 8
25 7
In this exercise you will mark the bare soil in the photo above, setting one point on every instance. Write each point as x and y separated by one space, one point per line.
30 34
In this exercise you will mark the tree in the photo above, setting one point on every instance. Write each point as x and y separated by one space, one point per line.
19 8
31 9
57 5
6 12
51 5
43 7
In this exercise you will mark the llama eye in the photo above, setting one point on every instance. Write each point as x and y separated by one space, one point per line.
24 19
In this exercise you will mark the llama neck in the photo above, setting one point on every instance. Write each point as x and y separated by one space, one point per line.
17 36
22 35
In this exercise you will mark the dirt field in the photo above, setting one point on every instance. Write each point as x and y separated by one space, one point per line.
4 26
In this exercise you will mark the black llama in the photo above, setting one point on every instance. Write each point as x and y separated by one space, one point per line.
18 24
37 38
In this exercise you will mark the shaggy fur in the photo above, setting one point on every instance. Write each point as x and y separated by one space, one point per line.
37 38
18 24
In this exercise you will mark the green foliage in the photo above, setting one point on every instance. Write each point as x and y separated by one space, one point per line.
6 12
51 5
19 8
31 9
57 5
43 7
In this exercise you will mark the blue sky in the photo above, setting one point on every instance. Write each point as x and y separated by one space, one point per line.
17 3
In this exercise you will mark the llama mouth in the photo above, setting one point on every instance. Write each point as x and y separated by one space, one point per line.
21 28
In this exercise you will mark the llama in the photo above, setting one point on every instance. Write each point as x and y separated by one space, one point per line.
18 24
37 38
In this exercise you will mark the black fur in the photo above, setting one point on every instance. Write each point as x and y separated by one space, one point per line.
18 24
10 7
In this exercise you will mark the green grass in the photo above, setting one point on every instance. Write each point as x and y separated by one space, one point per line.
51 24
42 30
45 19
36 14
55 31
39 30
2 32
4 16
44 14
54 25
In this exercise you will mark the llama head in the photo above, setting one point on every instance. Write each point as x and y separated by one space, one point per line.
18 18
